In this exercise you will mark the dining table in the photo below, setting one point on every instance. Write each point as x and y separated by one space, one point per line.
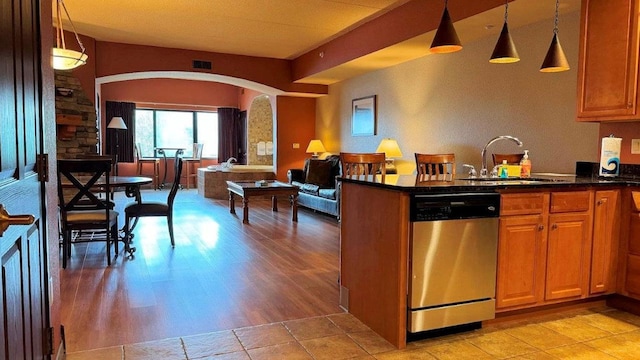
162 150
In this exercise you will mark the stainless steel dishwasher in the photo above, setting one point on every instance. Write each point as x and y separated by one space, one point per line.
453 259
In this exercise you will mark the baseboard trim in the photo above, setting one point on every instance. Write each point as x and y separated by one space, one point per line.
543 310
624 303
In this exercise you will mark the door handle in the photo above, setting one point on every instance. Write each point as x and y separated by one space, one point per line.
7 220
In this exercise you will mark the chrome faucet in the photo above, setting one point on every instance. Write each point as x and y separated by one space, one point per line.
483 170
229 163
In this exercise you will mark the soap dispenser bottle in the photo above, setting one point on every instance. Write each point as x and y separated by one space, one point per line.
525 165
504 172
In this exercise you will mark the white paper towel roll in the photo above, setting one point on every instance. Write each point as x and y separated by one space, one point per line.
610 156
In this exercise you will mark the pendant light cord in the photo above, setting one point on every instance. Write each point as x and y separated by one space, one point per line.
506 10
555 24
60 34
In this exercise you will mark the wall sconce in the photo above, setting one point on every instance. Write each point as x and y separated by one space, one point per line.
391 150
315 147
63 58
64 92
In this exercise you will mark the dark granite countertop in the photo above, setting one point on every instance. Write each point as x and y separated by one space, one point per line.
416 184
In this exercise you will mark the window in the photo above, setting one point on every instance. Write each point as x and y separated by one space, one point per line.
176 129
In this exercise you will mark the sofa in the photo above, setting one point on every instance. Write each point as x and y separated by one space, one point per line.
319 188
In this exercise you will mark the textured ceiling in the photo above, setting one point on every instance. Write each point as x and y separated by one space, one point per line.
282 29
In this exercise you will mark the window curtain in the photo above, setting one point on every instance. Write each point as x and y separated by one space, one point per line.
229 129
120 139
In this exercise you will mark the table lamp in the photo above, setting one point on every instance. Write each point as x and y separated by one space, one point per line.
391 150
117 123
315 147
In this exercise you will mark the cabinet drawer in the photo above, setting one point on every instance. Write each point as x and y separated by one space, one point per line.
522 204
570 201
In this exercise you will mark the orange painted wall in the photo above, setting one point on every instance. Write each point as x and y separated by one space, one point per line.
168 94
626 131
295 124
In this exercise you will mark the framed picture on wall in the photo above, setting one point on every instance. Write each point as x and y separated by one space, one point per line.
363 116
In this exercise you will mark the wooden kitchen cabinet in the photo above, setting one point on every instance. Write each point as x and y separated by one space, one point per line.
608 61
632 276
544 249
521 251
606 225
568 255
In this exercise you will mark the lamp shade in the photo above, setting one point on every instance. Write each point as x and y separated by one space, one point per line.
390 148
117 123
446 39
555 61
505 51
315 146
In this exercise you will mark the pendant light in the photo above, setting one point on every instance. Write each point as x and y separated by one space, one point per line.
555 61
446 40
63 58
505 51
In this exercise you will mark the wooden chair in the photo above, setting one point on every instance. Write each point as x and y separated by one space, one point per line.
138 210
81 209
192 164
355 165
141 161
512 159
436 166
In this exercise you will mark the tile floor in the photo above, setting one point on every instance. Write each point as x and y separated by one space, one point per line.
595 333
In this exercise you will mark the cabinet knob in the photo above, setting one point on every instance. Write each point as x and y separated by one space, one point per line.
599 202
554 226
540 227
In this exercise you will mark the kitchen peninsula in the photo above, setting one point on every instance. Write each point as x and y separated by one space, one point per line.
561 240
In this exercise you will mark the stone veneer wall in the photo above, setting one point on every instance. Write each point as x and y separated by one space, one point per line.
85 140
259 128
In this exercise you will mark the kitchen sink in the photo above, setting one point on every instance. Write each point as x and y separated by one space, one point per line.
513 180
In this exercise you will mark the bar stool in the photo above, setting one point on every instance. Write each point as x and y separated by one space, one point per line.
432 167
155 162
192 164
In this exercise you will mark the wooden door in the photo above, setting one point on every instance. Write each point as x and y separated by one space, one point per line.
568 255
24 300
608 68
521 261
606 224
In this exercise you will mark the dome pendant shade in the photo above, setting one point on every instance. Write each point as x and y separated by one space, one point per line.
446 40
505 51
67 59
555 61
63 58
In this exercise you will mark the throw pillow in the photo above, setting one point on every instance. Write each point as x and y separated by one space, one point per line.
319 173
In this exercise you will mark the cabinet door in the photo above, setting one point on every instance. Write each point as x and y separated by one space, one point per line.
521 261
605 241
568 256
608 69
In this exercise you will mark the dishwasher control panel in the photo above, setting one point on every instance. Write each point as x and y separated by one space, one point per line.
432 207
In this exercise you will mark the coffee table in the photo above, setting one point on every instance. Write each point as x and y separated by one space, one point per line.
247 189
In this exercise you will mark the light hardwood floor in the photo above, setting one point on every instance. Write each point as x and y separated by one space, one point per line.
221 274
